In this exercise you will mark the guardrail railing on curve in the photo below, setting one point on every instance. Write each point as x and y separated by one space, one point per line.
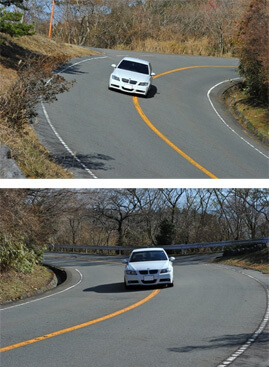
181 247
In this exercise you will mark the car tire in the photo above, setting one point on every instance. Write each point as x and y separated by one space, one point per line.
148 92
170 284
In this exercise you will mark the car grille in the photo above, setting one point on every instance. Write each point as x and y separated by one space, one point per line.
128 81
145 272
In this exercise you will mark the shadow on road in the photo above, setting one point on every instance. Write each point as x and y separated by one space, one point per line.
153 90
108 288
91 161
117 288
69 68
223 341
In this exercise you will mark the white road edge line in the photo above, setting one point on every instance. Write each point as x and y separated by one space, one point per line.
52 126
225 123
50 295
258 332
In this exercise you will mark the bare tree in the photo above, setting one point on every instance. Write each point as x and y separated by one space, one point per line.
242 212
171 199
114 205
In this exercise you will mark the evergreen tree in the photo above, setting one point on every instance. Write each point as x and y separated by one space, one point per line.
17 3
11 21
166 234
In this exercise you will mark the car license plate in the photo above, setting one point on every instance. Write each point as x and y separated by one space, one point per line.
148 278
127 86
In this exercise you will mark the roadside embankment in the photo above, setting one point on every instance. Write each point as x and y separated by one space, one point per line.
16 286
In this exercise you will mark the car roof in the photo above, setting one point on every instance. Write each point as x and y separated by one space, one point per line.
148 249
136 60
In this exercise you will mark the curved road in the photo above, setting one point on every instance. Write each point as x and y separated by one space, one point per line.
91 320
180 131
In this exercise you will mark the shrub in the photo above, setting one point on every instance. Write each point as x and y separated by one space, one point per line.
17 256
35 80
10 23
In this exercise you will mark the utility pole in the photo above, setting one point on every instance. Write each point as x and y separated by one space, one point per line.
51 17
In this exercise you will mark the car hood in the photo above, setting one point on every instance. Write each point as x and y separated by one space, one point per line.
144 265
131 75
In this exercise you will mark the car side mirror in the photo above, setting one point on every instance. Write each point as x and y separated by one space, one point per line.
125 261
113 65
152 74
172 258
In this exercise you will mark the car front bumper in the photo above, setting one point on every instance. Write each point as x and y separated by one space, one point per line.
143 280
129 88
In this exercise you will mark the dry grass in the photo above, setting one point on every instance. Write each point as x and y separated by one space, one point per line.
258 116
16 285
192 46
49 47
256 261
31 157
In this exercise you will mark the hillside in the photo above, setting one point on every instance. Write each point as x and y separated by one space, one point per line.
31 157
255 261
15 49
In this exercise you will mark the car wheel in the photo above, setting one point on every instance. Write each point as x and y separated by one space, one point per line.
170 284
147 95
126 285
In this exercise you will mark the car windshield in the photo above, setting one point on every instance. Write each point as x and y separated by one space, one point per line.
148 256
134 66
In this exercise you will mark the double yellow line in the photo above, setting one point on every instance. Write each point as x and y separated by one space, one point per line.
161 135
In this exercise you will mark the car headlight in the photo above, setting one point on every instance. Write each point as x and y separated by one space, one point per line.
143 84
130 272
167 270
115 77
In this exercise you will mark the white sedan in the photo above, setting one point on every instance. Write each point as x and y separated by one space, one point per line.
149 266
131 75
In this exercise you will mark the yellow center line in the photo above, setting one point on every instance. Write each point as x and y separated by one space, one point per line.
191 67
80 326
161 135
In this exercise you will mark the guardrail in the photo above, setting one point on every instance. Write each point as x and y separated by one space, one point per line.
181 247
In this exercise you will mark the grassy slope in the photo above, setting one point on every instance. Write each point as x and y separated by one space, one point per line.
16 285
257 261
248 114
32 158
15 49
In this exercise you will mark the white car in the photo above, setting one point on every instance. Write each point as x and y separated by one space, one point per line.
148 266
131 75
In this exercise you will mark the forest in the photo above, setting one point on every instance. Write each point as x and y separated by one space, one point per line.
197 26
30 219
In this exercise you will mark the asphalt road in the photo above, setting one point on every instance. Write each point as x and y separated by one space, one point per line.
174 133
91 320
